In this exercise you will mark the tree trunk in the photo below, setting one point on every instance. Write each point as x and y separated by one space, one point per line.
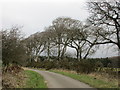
63 51
48 50
77 54
88 51
80 54
58 48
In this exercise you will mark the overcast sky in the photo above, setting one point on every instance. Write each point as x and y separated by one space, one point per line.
35 15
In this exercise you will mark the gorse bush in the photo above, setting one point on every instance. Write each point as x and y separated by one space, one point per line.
82 66
85 66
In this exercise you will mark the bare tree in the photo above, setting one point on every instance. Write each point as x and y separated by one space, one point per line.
60 30
49 38
35 44
72 33
64 32
13 51
106 15
62 27
81 40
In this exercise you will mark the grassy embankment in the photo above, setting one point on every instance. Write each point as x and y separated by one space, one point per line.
19 78
94 81
35 80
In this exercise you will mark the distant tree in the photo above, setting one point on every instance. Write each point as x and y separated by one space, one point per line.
35 45
82 41
49 38
106 15
13 51
72 33
64 32
61 29
28 42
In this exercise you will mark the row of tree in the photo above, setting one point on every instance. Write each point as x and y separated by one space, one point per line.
102 27
64 32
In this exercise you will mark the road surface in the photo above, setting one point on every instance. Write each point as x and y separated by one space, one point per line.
55 80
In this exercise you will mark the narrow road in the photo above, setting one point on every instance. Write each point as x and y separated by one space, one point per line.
55 80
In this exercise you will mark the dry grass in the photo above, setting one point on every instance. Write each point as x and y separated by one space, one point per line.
13 80
70 71
104 76
94 80
96 75
101 75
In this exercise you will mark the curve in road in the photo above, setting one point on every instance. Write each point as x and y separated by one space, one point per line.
55 80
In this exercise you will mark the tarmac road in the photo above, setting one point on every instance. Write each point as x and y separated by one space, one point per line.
55 80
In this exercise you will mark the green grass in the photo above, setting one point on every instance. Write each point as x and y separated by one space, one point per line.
96 83
34 80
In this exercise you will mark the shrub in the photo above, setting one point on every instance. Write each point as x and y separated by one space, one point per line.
85 66
49 65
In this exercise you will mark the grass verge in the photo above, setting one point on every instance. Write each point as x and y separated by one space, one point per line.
34 80
92 81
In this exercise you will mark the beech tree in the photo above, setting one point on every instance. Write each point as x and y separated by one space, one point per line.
64 32
49 37
81 40
72 33
35 45
61 29
107 15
